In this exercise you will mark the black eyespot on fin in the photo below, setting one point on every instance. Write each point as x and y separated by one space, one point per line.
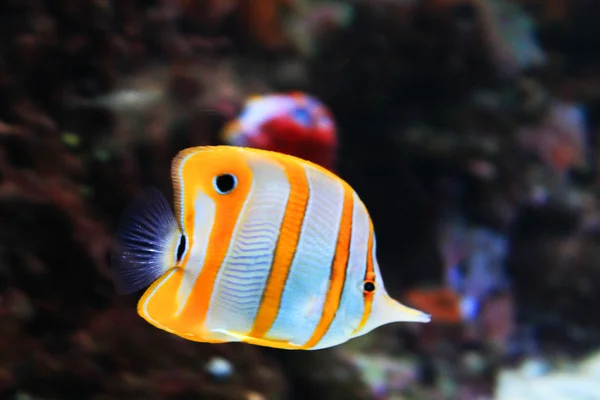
369 286
143 235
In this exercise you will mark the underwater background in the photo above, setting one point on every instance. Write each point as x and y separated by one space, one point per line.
468 127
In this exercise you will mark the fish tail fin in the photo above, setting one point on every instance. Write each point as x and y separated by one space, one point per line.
146 236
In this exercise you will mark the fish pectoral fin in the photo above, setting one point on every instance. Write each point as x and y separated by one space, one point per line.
257 341
146 238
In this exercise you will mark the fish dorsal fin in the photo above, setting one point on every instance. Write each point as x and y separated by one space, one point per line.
146 237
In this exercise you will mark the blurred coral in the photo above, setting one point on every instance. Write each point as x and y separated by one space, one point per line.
260 21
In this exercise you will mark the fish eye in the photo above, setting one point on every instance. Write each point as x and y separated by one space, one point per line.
181 248
224 183
369 286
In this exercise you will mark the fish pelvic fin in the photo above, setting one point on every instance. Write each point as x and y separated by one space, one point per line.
278 344
147 237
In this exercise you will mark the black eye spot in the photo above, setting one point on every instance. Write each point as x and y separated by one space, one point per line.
369 286
225 183
181 248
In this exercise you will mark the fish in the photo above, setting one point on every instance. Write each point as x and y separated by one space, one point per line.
293 123
262 248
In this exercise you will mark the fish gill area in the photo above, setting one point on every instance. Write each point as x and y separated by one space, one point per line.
468 128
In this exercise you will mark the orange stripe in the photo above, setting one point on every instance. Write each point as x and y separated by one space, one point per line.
338 271
198 173
369 276
285 250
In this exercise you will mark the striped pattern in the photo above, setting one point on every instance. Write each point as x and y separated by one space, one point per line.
338 271
280 261
304 294
287 244
197 180
203 223
351 306
243 275
369 276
